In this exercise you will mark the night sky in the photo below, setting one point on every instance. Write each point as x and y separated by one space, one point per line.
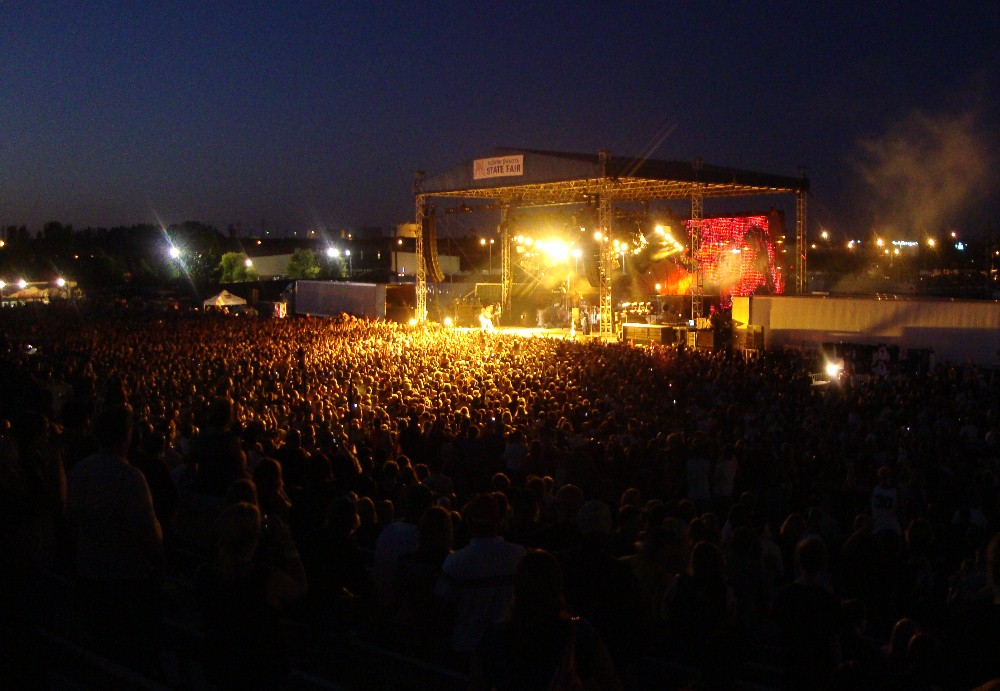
317 114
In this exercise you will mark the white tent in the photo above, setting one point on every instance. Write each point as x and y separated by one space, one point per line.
224 299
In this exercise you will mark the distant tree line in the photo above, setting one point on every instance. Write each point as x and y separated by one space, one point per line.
140 256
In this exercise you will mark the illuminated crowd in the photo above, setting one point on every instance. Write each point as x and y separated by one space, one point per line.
709 509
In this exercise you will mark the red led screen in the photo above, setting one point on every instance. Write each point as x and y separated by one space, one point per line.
738 255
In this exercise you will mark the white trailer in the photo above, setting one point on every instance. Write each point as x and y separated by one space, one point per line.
957 330
330 298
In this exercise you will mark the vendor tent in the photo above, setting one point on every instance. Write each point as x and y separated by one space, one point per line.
224 299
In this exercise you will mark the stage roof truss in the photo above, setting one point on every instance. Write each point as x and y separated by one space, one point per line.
622 189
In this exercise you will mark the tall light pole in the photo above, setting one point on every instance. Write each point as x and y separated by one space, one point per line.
350 268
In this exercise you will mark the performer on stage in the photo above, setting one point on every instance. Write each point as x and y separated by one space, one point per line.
486 318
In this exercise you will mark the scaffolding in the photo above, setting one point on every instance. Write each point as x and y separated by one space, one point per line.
421 268
548 178
800 242
506 269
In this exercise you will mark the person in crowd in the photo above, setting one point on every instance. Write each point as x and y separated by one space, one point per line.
294 459
563 534
699 610
118 545
217 451
369 527
809 617
420 618
539 645
21 563
149 457
524 526
972 637
751 583
340 583
885 503
602 589
397 539
239 596
478 579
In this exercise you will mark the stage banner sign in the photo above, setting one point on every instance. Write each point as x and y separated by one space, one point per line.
497 167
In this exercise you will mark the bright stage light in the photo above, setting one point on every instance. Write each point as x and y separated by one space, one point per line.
174 252
833 369
61 282
448 321
554 251
412 322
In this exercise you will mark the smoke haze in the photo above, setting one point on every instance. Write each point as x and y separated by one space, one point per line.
927 174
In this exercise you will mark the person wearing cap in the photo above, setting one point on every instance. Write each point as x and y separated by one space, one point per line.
478 580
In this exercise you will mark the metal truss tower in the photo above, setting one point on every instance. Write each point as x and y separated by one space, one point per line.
800 242
506 268
607 252
421 270
698 284
608 259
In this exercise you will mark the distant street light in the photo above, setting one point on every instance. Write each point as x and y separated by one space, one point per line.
350 268
332 252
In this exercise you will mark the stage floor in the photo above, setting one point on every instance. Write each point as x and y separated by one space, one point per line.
536 332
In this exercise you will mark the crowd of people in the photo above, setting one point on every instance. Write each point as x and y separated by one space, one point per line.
531 511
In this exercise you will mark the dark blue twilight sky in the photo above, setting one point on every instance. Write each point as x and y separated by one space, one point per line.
317 114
